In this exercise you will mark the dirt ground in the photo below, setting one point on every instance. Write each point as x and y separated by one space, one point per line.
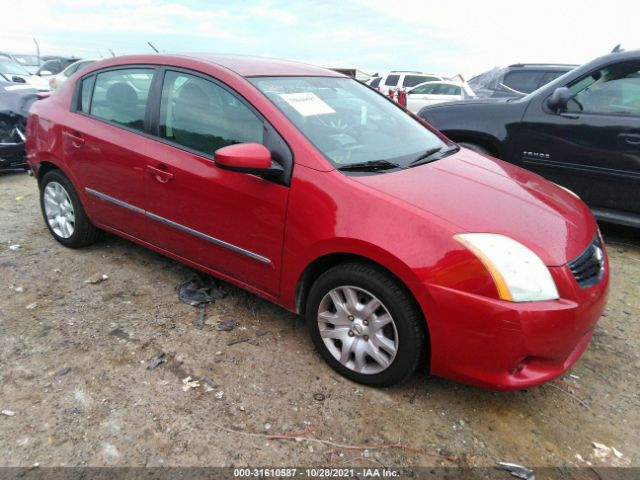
110 410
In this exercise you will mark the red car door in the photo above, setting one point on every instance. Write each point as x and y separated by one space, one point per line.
228 221
101 144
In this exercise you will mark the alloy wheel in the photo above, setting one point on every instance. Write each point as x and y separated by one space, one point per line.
357 329
59 210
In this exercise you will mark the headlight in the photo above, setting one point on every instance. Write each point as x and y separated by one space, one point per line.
519 274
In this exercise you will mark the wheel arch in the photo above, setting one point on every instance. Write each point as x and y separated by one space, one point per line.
488 142
46 166
327 261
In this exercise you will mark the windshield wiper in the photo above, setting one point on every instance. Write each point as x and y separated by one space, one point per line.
371 166
430 155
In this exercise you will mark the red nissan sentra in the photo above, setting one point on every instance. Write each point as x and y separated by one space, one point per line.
313 191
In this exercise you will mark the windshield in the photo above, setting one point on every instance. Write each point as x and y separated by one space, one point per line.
348 122
9 67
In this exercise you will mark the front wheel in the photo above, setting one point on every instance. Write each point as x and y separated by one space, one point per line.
365 324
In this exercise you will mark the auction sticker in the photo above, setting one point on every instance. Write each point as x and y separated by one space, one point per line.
307 104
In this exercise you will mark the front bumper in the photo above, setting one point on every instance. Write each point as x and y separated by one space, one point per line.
509 346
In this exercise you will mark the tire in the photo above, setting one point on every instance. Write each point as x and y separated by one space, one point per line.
63 212
355 345
475 147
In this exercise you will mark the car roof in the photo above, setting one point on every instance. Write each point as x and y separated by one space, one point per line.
244 65
544 66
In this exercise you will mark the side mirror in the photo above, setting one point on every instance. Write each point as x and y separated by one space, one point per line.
248 158
18 79
559 99
45 73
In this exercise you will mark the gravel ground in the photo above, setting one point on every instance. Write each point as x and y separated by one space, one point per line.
76 390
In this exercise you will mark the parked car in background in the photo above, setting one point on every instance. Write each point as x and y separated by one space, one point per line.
291 190
53 66
581 131
516 80
56 80
431 93
401 79
15 100
29 62
16 73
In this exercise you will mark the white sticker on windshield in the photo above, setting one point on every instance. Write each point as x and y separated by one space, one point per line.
307 104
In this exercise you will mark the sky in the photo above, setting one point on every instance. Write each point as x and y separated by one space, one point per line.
446 37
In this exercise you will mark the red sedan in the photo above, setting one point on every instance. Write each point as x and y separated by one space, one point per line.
311 190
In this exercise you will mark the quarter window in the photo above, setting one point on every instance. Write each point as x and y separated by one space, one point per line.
202 116
86 89
375 82
120 96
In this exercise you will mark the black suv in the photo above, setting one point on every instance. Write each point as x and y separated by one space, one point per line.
581 131
516 80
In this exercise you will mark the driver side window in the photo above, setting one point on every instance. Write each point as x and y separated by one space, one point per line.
202 116
614 90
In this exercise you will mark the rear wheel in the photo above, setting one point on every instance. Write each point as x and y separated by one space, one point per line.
63 213
475 147
365 324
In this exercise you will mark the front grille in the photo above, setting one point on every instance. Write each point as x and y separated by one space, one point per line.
588 267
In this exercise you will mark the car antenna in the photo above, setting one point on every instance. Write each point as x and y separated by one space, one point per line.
111 52
617 48
154 48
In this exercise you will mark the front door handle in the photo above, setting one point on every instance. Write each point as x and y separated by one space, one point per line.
161 172
631 138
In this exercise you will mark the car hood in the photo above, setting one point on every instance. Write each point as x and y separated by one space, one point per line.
480 194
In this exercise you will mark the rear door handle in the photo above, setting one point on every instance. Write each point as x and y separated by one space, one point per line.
76 139
631 138
161 172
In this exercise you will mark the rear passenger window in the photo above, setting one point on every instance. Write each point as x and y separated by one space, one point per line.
392 80
120 96
376 82
202 116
